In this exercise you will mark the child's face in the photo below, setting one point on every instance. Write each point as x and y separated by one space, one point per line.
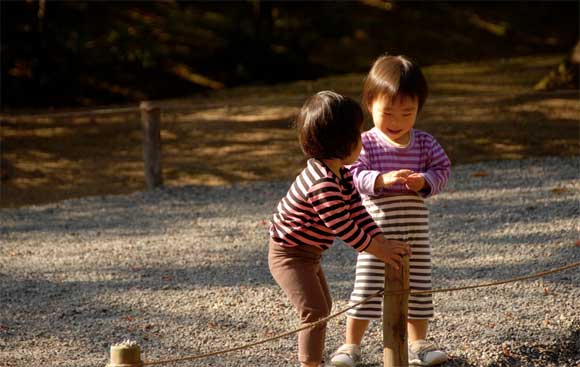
395 117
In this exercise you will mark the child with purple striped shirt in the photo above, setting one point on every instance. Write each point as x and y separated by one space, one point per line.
397 168
322 204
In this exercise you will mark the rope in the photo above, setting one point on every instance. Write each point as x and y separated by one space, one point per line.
97 112
164 106
176 107
378 293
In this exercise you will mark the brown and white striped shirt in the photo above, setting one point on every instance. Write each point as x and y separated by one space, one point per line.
320 206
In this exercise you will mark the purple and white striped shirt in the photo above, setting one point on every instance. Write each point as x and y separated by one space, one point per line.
379 155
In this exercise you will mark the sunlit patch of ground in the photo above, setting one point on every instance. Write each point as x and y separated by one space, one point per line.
477 111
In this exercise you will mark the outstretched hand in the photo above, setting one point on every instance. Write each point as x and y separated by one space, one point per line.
415 182
412 180
394 177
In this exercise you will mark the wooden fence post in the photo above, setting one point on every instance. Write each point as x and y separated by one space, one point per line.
151 121
395 313
125 354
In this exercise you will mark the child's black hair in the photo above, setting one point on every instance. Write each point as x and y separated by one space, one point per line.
395 76
329 125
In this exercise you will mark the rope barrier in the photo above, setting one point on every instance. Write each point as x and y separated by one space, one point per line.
378 293
97 112
176 107
165 107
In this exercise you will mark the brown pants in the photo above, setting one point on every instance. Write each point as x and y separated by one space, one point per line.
298 272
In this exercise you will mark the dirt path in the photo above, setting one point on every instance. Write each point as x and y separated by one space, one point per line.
478 111
184 271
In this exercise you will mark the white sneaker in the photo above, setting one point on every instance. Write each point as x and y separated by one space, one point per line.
347 355
424 353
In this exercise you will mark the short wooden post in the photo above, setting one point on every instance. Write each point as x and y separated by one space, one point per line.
125 354
395 313
151 120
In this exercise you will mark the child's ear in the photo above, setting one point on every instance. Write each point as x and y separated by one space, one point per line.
370 107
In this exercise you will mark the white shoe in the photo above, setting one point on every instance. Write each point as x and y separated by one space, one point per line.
347 355
424 353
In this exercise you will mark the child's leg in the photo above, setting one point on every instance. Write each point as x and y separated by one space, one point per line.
355 330
369 279
300 275
370 275
421 351
417 329
328 299
420 305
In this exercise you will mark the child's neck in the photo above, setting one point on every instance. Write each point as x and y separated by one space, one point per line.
403 140
334 165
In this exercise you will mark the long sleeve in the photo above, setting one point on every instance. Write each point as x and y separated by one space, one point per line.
364 177
361 216
327 201
437 169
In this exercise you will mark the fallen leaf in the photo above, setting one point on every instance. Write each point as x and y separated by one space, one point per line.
577 243
559 190
480 174
506 350
546 291
129 318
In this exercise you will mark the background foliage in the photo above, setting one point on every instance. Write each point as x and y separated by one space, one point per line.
86 53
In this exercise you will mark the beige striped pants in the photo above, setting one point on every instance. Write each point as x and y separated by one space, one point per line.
405 218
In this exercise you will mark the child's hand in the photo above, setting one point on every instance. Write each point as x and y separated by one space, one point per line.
394 177
391 252
415 182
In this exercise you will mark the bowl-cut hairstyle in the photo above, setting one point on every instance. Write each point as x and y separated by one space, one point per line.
395 76
329 125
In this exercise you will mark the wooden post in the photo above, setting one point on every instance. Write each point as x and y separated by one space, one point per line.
125 354
151 120
395 313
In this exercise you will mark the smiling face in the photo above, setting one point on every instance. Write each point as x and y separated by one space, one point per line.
395 117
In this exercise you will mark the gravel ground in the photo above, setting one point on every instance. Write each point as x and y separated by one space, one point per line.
184 271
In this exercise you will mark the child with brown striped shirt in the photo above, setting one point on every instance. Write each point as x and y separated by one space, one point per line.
322 204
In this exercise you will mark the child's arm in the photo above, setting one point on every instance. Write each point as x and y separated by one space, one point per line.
362 234
371 182
328 203
365 179
357 210
437 170
390 251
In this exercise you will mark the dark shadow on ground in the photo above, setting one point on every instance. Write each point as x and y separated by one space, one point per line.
477 111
